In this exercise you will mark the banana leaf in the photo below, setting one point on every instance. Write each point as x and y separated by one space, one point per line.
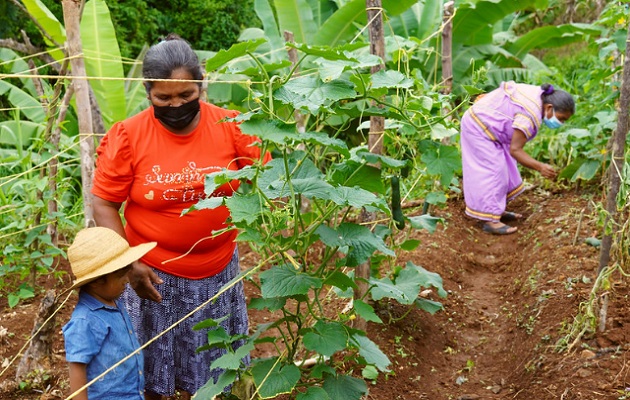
102 59
296 16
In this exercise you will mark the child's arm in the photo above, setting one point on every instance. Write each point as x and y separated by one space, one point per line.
78 379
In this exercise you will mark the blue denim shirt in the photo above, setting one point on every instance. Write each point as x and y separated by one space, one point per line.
99 336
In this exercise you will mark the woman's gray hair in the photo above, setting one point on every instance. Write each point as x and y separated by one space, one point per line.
168 55
559 99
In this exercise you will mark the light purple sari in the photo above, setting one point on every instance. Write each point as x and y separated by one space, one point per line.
490 174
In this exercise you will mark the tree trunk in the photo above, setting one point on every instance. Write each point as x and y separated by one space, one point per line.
72 16
447 48
616 165
39 352
375 142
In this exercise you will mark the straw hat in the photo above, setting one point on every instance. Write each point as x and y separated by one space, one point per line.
99 251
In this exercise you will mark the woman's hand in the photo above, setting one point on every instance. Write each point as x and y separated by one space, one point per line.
141 279
548 171
516 150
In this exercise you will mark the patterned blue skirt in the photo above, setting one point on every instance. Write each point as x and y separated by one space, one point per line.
171 362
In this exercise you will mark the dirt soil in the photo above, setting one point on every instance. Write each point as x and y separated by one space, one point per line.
502 335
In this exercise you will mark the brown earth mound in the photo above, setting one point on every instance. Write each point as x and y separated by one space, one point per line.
502 335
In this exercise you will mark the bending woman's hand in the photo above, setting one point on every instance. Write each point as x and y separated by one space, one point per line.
142 278
516 150
548 171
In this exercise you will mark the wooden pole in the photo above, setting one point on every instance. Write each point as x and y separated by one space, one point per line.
617 162
447 48
72 17
375 139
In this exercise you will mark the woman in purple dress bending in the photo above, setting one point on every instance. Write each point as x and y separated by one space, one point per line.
494 131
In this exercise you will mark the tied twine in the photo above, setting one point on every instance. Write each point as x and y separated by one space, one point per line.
549 90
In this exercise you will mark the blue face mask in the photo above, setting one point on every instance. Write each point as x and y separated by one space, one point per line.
553 122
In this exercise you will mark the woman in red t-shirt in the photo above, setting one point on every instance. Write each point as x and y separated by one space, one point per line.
155 162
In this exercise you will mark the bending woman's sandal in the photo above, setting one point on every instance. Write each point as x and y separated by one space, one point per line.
502 230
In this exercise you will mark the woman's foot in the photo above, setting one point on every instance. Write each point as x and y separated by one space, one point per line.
511 216
498 228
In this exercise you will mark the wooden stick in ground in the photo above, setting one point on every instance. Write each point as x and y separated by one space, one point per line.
617 162
375 142
39 352
72 17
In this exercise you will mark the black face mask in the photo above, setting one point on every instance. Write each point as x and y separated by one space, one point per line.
177 117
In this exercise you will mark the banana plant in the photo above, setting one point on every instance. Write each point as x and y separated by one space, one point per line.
101 50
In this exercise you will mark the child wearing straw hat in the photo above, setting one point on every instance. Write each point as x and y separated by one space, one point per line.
99 333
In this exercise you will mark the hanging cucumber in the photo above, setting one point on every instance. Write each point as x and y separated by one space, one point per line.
397 214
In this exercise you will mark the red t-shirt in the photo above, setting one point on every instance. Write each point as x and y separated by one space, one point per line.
159 174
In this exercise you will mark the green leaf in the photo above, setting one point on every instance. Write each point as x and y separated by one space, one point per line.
351 173
273 378
245 208
345 387
397 7
425 278
306 179
443 161
19 134
326 338
208 323
340 280
425 221
429 306
342 52
313 393
473 22
439 132
366 311
581 168
370 351
361 153
135 91
103 60
286 280
49 23
420 20
436 198
276 41
218 336
361 243
410 244
552 36
27 104
357 197
271 304
323 139
342 25
296 16
593 241
404 293
369 372
13 300
311 93
235 51
390 79
271 130
211 389
233 361
209 203
472 90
